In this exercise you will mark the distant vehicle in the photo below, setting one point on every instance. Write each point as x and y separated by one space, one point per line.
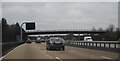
38 40
42 40
29 41
118 39
88 38
55 43
33 40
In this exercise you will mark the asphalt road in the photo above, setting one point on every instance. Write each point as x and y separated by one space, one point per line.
38 51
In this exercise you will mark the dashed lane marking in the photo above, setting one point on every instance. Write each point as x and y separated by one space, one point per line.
105 57
58 58
1 58
43 52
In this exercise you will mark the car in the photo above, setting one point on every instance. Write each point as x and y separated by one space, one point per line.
42 40
55 43
88 38
118 39
28 41
37 41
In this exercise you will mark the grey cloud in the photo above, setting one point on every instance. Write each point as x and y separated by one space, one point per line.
62 15
0 10
60 0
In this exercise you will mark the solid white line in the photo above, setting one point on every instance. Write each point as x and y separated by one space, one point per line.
1 58
10 52
105 57
58 58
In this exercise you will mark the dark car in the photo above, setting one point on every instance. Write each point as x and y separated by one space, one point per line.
118 39
38 41
43 40
55 43
28 41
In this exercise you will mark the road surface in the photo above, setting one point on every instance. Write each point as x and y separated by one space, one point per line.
38 51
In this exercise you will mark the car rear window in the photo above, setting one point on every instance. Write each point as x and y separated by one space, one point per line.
57 40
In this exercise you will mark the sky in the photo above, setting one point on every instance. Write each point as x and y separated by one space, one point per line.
0 10
60 0
118 15
62 15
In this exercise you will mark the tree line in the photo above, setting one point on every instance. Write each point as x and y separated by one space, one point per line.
10 33
111 33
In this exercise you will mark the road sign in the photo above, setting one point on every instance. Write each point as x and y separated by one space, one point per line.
30 26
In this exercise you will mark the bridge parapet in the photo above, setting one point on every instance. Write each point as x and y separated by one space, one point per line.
64 32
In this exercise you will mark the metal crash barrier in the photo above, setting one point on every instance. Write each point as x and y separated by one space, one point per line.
105 45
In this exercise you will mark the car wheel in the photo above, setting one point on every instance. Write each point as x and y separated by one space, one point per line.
47 48
63 48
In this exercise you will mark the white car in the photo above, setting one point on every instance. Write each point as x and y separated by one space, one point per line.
88 38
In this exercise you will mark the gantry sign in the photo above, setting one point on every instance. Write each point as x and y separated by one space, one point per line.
29 26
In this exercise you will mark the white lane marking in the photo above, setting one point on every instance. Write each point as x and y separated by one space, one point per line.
43 52
10 52
105 57
58 58
1 58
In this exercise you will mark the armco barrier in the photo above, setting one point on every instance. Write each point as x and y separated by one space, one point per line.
105 45
6 47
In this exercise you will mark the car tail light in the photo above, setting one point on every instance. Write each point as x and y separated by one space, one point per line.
63 42
51 42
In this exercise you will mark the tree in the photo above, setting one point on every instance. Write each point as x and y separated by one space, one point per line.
118 33
94 29
4 22
0 32
17 28
9 32
100 29
111 28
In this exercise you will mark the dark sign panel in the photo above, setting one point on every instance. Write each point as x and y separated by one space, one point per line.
30 26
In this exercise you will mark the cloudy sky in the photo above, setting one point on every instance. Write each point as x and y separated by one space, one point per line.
0 10
60 0
62 15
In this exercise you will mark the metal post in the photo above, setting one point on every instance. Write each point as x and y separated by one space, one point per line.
21 30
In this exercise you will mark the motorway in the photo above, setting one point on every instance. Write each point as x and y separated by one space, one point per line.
38 51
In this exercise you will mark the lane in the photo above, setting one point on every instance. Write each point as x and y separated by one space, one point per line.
38 51
78 53
26 51
60 54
